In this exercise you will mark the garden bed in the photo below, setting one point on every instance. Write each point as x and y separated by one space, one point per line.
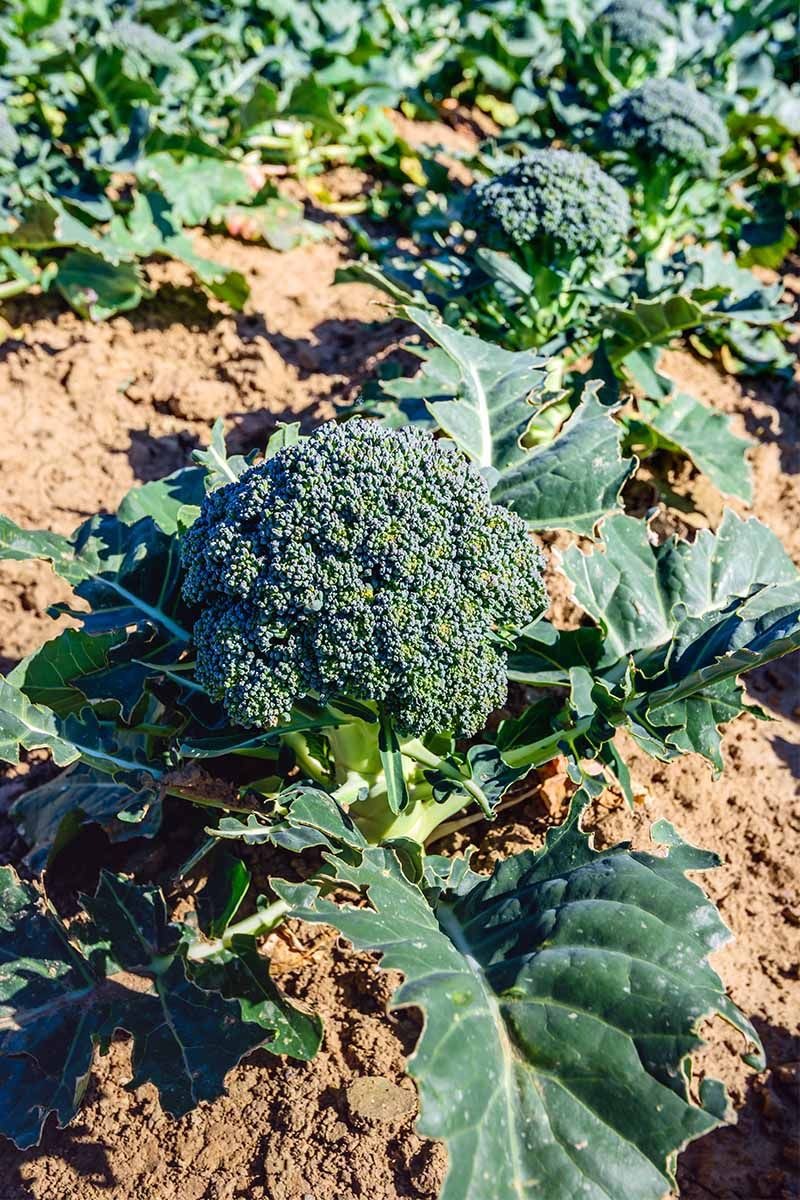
89 410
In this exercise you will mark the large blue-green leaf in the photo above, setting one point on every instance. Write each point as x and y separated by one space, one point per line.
164 500
650 323
575 480
495 392
691 617
487 399
195 187
689 427
670 419
562 997
49 676
111 749
30 727
127 573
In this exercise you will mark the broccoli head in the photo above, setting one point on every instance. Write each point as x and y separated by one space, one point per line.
637 25
558 201
667 119
361 562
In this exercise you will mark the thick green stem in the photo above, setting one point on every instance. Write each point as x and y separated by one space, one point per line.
257 925
224 805
305 759
537 753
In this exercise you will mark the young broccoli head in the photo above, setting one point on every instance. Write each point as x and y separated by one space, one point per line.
637 25
361 562
667 119
558 201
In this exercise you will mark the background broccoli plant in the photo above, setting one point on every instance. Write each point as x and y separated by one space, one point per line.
671 138
619 47
556 215
130 702
522 256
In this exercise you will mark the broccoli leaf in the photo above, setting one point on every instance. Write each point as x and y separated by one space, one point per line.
49 816
31 727
114 750
573 481
81 980
692 617
219 468
311 818
153 229
669 419
496 392
166 501
687 426
242 974
568 482
219 899
46 223
650 323
48 676
644 597
562 996
98 289
195 187
127 573
676 625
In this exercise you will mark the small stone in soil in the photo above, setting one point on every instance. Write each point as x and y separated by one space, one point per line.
373 1098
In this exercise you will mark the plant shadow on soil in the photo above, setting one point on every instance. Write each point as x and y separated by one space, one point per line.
338 346
758 1158
784 429
755 1159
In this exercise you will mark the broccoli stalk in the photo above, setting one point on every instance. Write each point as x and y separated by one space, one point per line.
356 777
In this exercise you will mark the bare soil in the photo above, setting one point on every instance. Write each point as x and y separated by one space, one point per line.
85 412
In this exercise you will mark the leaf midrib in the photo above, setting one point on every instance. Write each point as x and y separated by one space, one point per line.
453 930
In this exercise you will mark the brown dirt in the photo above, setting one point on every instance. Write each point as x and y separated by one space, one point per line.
89 410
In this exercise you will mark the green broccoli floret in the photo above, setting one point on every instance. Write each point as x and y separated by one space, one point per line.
366 563
560 203
637 25
666 119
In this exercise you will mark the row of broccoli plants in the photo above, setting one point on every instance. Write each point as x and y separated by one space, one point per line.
548 250
339 651
118 131
550 244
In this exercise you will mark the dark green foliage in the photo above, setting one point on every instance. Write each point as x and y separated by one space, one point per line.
667 119
361 562
562 997
559 199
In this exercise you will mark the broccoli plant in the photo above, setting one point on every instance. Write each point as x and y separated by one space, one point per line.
310 653
545 231
620 47
669 139
521 254
362 564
